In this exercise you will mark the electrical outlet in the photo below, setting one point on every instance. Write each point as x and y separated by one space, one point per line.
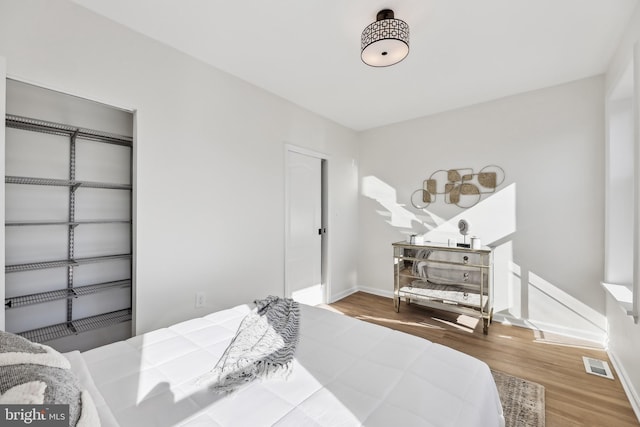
200 299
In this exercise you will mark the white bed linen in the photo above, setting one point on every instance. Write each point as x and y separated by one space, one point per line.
346 373
79 367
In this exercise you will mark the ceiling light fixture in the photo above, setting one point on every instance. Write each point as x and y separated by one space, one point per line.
386 41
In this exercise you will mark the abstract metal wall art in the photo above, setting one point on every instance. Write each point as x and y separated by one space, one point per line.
460 187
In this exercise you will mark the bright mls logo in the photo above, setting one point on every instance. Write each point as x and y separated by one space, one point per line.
34 415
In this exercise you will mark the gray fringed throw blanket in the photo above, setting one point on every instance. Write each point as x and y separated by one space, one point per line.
262 347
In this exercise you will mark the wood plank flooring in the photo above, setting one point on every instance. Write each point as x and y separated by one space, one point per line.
573 397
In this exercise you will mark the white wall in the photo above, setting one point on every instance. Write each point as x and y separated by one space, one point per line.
3 79
623 333
546 219
618 267
209 163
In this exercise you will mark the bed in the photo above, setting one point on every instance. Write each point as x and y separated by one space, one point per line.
346 372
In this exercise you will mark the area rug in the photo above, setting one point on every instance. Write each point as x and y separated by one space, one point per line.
522 400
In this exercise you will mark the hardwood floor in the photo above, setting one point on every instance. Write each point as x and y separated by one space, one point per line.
573 397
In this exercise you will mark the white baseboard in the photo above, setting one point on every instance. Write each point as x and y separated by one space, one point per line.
335 297
595 337
374 291
627 385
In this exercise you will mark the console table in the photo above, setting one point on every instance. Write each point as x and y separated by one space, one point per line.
445 277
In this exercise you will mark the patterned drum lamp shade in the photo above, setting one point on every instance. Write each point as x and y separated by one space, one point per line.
386 41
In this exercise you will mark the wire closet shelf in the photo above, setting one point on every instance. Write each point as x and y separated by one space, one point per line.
71 326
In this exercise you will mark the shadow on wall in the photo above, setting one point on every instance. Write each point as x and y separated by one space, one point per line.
493 219
520 296
383 193
536 303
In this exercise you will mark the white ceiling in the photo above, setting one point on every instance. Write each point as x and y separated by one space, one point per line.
462 51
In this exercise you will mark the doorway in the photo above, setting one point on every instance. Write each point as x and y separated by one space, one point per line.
305 226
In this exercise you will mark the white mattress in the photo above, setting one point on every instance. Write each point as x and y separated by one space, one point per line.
347 373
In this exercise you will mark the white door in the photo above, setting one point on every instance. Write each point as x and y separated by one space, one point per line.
303 272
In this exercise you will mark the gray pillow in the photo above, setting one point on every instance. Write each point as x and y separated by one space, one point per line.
33 373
